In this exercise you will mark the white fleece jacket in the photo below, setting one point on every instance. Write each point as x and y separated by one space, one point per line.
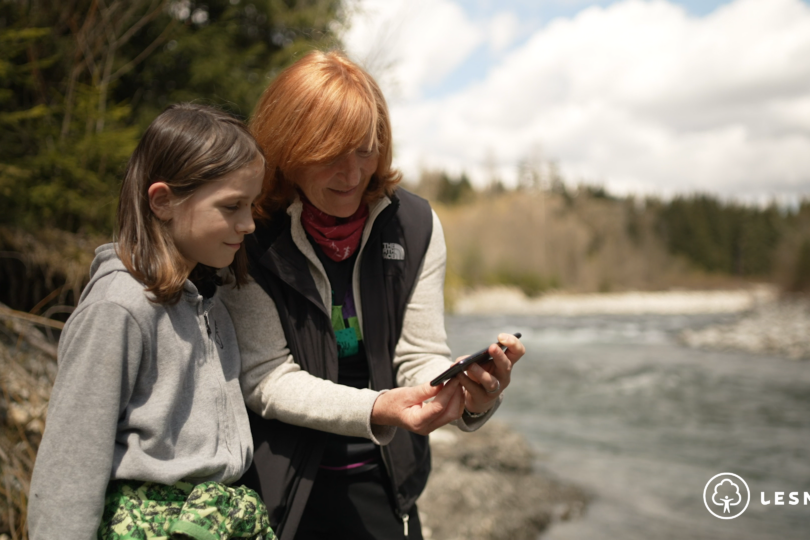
276 387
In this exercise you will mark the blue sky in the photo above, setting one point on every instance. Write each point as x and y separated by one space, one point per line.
643 96
545 10
534 14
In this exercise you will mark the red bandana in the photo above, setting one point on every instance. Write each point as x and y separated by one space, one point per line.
338 237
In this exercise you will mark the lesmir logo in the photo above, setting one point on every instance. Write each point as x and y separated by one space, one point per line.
726 496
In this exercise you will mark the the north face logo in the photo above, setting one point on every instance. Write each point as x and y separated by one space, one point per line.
393 252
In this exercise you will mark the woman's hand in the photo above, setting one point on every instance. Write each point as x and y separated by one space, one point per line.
406 407
483 384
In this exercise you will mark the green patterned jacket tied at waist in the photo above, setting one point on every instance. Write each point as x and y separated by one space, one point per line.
209 511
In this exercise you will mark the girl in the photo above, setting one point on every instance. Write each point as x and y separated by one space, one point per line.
147 421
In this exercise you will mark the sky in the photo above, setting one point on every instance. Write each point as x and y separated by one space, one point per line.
644 97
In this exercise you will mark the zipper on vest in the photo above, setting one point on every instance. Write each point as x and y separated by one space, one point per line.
403 515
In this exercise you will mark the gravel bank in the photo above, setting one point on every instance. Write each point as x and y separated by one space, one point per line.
483 487
510 300
779 327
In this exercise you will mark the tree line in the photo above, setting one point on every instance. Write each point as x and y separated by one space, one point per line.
715 235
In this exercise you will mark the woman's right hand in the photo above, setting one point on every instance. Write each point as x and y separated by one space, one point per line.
406 407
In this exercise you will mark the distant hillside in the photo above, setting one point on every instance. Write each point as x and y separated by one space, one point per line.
587 241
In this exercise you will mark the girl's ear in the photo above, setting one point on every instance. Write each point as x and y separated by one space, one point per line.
161 201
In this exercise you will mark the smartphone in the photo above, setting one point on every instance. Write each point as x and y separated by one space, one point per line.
481 357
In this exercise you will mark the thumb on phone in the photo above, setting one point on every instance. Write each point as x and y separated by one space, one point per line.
446 406
420 409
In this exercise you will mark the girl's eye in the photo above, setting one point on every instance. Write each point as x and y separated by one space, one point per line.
232 207
365 153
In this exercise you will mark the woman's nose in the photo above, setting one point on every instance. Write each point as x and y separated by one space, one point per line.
351 168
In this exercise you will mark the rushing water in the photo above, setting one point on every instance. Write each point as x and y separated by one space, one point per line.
616 405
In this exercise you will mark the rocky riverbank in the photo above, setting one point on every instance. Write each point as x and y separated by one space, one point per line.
484 487
510 300
780 327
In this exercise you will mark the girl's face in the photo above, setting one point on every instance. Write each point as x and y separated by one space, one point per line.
337 187
208 227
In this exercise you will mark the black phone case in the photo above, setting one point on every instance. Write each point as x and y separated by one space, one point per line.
480 357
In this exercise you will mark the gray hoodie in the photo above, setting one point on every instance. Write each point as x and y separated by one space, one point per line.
144 392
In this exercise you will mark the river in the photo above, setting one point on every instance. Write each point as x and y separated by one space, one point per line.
616 405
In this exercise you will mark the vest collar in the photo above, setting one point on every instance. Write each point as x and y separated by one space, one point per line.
300 240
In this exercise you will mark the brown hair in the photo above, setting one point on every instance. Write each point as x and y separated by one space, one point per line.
317 109
186 146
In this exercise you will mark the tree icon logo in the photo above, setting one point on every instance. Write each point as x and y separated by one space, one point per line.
724 495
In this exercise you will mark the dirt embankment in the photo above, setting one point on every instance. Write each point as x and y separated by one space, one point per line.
27 372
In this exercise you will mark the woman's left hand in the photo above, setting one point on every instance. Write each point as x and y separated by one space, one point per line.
483 384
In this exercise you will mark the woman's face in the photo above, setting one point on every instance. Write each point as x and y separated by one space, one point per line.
337 187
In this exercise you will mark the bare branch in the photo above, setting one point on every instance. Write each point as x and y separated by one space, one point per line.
149 17
145 53
7 313
81 40
107 13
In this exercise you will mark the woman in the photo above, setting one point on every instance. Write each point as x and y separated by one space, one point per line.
343 325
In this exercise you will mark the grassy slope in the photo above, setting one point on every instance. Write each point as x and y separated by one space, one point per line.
542 240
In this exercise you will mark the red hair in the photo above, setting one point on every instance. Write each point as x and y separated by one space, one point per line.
319 108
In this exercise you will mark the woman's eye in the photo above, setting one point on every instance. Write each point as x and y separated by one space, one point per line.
232 207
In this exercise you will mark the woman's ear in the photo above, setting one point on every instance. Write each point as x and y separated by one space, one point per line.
161 201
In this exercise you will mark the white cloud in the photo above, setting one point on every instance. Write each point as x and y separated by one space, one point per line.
503 30
409 45
640 95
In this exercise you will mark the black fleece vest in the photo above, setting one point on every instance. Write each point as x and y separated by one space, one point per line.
286 457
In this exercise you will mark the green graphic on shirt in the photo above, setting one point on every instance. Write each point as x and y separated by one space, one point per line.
354 323
347 342
337 318
346 326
